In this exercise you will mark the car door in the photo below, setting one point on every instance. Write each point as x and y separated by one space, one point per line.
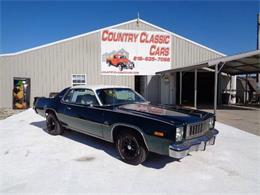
80 112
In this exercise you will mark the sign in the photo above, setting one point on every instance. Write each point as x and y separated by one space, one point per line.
131 52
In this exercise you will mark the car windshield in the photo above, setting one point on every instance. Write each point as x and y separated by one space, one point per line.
118 96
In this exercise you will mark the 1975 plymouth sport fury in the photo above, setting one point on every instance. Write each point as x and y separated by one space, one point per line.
122 116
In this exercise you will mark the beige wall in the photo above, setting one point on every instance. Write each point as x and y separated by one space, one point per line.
50 67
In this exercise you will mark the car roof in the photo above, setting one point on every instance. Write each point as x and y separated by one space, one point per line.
96 87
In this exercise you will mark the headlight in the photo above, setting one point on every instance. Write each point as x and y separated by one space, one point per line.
211 123
179 134
130 64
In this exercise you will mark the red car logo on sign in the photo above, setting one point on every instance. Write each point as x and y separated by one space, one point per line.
120 61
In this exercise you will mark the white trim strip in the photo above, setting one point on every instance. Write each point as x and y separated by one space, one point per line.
114 26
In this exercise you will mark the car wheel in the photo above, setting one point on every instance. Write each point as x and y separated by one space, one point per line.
131 148
121 67
53 125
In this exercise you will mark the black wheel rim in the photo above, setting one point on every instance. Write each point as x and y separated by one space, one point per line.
51 125
129 148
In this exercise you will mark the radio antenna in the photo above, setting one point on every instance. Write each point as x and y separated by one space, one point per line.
138 17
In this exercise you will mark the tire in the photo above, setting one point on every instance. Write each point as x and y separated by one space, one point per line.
121 67
131 148
53 125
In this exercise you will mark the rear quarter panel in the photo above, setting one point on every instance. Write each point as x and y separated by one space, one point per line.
42 104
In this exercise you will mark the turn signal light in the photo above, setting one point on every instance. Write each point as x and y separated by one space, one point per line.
159 133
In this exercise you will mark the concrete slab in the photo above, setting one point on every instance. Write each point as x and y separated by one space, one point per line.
245 118
32 161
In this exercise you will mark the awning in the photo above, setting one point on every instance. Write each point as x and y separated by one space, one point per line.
245 63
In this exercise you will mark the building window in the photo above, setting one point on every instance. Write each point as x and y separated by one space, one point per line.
78 79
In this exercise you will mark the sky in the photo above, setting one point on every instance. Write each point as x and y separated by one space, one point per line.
228 27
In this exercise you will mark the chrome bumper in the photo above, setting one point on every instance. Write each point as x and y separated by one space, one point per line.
181 150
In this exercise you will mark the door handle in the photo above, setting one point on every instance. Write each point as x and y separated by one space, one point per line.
69 108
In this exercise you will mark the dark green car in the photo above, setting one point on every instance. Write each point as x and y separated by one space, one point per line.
124 117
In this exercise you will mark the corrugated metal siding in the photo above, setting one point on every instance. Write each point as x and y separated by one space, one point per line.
50 68
185 53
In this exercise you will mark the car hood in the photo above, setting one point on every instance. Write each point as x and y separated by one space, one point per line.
169 114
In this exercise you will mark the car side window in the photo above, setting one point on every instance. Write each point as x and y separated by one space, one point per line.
81 96
68 96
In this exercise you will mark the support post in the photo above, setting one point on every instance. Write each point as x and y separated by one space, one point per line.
180 100
230 90
195 88
246 89
234 87
258 32
220 90
216 89
258 46
230 83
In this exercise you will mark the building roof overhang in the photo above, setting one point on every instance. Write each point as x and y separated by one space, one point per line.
244 63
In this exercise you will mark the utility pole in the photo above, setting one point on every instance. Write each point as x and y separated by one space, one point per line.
258 31
258 47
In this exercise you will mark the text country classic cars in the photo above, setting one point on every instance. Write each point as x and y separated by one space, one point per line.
141 38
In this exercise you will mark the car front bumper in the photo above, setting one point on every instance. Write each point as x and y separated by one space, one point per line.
181 150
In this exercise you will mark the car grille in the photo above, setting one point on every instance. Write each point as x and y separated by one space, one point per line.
197 129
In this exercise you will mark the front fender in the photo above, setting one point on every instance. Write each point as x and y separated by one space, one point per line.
144 136
153 143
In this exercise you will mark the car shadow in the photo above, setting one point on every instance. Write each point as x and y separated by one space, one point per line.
154 161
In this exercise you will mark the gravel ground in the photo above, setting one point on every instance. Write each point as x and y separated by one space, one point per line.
34 162
6 112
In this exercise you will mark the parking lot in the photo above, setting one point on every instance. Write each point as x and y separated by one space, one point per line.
32 161
242 117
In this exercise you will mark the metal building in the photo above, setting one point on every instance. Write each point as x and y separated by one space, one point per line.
54 66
